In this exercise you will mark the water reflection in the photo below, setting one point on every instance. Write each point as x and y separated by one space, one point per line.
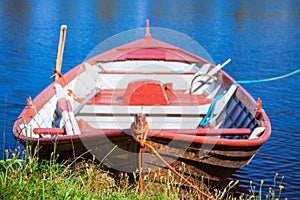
261 38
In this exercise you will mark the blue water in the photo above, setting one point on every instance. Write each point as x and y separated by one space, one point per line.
261 37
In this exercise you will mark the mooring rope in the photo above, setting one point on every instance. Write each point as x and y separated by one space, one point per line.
143 144
268 79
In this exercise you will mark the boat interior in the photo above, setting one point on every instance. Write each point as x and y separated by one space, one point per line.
173 95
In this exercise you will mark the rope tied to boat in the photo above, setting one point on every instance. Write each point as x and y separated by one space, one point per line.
139 130
210 113
268 79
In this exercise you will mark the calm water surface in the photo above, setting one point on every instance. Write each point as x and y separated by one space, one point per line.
261 38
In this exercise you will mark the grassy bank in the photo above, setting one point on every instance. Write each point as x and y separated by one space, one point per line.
32 178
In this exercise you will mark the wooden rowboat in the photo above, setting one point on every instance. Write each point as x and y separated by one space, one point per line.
148 90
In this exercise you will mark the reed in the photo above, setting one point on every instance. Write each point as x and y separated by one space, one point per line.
31 178
271 192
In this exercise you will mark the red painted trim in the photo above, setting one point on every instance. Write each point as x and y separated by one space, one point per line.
145 93
51 131
201 131
171 52
175 98
153 132
191 136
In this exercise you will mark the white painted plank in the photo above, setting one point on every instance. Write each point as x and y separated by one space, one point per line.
212 72
224 100
154 122
256 132
200 110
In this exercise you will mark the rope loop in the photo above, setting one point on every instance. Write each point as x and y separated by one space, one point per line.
139 135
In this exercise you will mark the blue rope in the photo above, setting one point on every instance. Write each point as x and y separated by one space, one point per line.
268 79
210 113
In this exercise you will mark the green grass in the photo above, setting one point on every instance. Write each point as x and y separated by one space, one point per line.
52 180
32 178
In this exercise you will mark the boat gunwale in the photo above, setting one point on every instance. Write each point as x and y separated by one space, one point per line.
170 136
41 99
